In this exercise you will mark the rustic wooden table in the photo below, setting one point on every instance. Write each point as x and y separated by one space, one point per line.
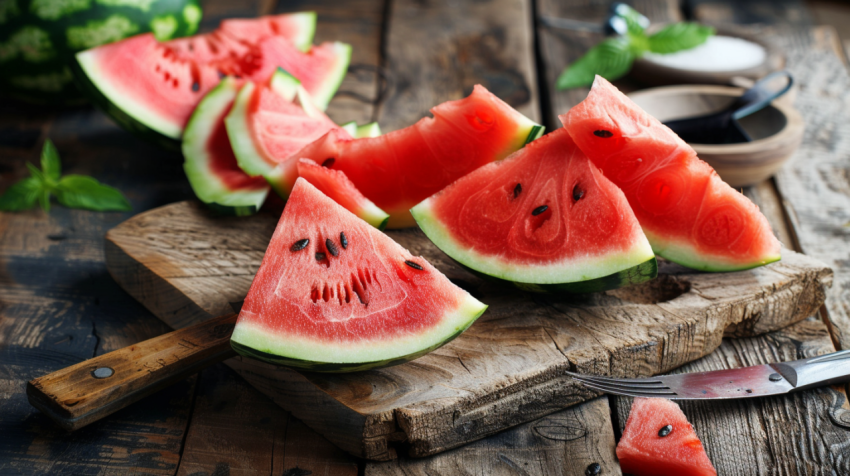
59 306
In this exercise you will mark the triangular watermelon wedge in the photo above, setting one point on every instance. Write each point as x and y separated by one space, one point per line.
544 219
659 441
334 294
686 210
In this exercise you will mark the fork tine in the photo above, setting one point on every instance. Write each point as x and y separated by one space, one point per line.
630 392
637 381
625 383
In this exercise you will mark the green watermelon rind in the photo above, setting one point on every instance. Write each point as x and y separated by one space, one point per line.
133 117
322 97
303 353
685 254
248 155
591 274
206 185
308 22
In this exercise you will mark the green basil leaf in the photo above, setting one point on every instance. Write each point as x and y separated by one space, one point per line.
80 191
36 174
21 195
50 164
44 199
610 59
679 36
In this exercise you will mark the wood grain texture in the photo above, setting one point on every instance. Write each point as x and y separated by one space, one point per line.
505 370
78 395
564 443
438 50
805 433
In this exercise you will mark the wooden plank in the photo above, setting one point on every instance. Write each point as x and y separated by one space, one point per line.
559 48
480 383
566 443
438 50
767 12
802 434
237 430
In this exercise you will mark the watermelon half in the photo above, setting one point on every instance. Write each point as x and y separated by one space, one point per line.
400 169
274 120
659 441
545 219
690 215
210 165
334 294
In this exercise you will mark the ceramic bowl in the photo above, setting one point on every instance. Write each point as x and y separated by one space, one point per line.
776 130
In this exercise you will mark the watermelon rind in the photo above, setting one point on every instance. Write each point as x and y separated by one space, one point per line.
317 356
129 113
322 95
206 185
307 20
685 254
247 154
371 129
576 275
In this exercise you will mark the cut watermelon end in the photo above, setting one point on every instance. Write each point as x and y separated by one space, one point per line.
589 274
336 185
307 31
684 254
132 115
250 158
207 185
284 84
333 80
301 352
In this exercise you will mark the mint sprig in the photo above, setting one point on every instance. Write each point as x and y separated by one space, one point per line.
72 191
613 57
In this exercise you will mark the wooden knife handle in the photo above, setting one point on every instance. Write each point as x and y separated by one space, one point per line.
86 392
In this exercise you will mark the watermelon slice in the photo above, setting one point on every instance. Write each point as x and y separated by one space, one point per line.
299 28
334 294
659 441
400 169
210 164
688 213
274 120
152 88
544 219
336 185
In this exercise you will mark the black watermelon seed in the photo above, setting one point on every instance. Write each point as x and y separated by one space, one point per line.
577 193
320 256
665 430
196 87
329 162
414 265
593 469
517 190
299 245
343 240
539 210
331 247
603 134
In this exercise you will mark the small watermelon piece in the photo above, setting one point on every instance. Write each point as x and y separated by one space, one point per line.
334 294
152 88
545 219
643 451
299 28
400 169
336 185
274 120
210 164
686 210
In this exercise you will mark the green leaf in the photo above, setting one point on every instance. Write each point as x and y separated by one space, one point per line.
21 196
80 191
679 36
50 164
610 59
36 174
635 21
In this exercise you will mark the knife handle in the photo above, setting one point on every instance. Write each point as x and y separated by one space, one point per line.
817 371
88 391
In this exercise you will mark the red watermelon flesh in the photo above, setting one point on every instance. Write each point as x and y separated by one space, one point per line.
545 215
688 213
335 294
336 185
298 28
643 452
400 169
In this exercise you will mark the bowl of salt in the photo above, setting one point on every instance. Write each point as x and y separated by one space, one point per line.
721 58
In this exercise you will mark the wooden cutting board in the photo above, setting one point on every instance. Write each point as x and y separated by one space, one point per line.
186 265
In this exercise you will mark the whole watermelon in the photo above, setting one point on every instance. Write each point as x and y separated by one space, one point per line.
39 37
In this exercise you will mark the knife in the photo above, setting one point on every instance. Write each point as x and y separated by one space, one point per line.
747 382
